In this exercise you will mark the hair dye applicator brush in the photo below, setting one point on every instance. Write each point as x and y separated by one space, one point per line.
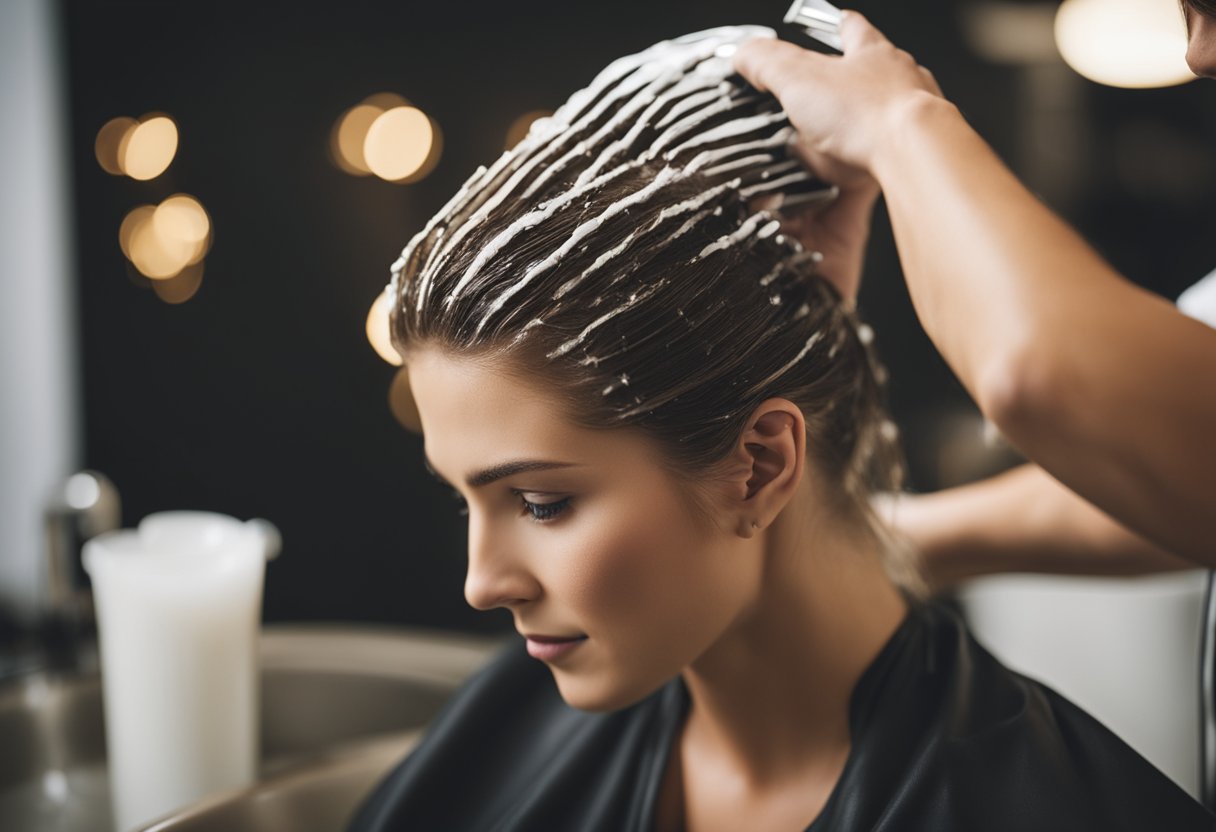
820 20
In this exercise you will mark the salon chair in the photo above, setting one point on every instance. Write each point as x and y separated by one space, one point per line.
1133 652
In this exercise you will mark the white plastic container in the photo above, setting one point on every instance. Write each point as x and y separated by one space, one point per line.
178 606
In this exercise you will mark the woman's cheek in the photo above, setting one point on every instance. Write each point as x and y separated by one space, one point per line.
608 581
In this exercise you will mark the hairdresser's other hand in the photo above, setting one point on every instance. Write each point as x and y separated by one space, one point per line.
844 108
1023 520
838 231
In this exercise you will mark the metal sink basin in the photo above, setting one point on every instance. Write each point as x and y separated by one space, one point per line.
339 706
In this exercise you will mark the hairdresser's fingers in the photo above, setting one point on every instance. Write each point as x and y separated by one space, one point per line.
772 65
838 230
856 32
830 167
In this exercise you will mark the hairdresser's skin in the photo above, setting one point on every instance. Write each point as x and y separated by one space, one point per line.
1020 521
1104 385
770 639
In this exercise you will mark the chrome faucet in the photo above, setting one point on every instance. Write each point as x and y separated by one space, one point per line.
82 506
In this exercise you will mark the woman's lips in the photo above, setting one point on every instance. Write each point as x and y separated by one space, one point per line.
552 648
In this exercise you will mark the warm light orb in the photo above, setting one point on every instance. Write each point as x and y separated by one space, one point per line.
156 257
386 136
520 127
386 100
181 221
1136 44
146 151
378 330
181 287
399 144
135 218
109 139
346 142
162 240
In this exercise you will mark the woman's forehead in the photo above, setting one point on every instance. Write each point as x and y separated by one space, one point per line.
468 390
477 413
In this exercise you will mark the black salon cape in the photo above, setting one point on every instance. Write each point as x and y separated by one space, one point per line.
944 738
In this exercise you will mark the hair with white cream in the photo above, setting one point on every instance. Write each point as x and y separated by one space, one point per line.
620 254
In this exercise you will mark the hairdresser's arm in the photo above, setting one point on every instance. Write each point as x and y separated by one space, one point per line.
1108 387
1020 521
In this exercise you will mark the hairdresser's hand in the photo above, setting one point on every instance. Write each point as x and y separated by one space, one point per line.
838 231
844 108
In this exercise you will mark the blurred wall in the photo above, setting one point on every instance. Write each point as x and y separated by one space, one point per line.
39 401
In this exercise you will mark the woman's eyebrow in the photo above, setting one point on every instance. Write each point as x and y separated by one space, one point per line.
503 469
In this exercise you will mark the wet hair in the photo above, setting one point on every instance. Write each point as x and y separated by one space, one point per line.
619 256
1207 7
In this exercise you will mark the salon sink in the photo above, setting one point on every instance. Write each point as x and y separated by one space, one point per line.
339 705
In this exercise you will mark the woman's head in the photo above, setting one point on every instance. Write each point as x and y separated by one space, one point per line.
610 297
619 254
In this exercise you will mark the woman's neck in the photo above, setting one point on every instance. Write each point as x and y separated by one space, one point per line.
770 699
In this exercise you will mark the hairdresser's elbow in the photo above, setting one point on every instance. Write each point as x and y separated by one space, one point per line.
1022 392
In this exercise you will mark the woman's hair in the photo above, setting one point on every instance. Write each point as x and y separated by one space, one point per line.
616 256
1207 7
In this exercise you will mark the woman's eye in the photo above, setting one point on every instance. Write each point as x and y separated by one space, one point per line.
463 511
544 512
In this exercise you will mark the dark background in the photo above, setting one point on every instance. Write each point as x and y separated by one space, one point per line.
261 396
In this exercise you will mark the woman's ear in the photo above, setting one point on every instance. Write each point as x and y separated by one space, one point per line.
767 464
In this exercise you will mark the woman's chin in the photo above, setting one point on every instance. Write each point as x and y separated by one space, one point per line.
598 695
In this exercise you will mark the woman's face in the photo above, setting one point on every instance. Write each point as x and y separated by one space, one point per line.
581 534
1201 43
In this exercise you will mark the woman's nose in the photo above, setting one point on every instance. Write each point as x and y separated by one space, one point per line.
496 577
1201 46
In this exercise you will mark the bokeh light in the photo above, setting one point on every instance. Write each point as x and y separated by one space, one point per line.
400 144
163 240
378 330
350 131
401 402
386 101
1124 43
181 287
155 256
135 218
146 150
109 140
82 491
520 127
182 220
346 140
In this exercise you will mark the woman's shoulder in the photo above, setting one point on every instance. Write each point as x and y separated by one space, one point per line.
981 746
532 761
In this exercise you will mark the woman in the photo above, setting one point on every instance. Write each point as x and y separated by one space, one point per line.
665 425
1105 386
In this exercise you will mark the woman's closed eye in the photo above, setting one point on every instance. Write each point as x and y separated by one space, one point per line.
544 512
538 512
